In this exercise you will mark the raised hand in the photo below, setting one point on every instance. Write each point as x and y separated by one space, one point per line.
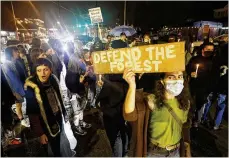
129 76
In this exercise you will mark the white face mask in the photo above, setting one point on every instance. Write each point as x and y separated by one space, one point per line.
174 87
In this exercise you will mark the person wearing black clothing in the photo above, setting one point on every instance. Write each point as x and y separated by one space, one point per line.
54 58
111 98
221 88
97 46
7 100
203 72
121 43
26 59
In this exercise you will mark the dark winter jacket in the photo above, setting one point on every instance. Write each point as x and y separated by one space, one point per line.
12 77
222 85
20 66
7 97
112 95
42 119
72 78
207 75
119 44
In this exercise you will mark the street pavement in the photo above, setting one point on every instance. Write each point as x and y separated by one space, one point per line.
204 142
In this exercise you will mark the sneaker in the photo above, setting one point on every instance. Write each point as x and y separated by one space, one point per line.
9 134
67 104
85 125
25 122
216 127
78 130
195 124
206 123
15 141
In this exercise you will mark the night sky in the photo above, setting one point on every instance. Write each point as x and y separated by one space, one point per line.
144 14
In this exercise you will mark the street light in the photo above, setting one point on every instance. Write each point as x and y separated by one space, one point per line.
58 22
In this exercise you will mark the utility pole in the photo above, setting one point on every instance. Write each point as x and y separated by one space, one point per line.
96 4
14 19
124 12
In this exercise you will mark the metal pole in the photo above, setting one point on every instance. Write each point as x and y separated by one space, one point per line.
14 18
96 4
124 12
100 34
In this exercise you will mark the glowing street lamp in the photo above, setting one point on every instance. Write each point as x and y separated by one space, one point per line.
58 22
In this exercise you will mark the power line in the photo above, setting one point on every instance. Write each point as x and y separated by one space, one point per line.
64 8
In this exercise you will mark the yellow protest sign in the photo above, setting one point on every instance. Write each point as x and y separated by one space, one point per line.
148 59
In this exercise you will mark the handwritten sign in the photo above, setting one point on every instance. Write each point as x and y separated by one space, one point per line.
151 58
95 15
206 29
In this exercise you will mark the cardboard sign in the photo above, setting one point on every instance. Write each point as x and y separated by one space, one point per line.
151 58
95 15
206 29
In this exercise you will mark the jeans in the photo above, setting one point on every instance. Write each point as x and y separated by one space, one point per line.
200 95
220 107
157 152
91 95
118 135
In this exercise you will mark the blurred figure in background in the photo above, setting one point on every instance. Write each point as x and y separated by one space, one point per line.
98 45
121 43
203 72
34 55
108 44
12 54
133 42
171 39
78 97
221 89
15 76
146 39
54 58
36 43
25 57
89 78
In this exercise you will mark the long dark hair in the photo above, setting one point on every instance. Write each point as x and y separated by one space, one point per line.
184 98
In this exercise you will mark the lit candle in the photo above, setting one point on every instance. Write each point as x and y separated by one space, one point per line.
100 78
197 67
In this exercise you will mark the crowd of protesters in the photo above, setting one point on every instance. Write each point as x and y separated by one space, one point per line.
143 114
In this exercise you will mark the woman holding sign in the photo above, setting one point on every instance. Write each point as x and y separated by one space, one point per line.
157 119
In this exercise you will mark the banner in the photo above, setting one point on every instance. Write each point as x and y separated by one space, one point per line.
148 59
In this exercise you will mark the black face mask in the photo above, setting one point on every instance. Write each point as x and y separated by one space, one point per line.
208 53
